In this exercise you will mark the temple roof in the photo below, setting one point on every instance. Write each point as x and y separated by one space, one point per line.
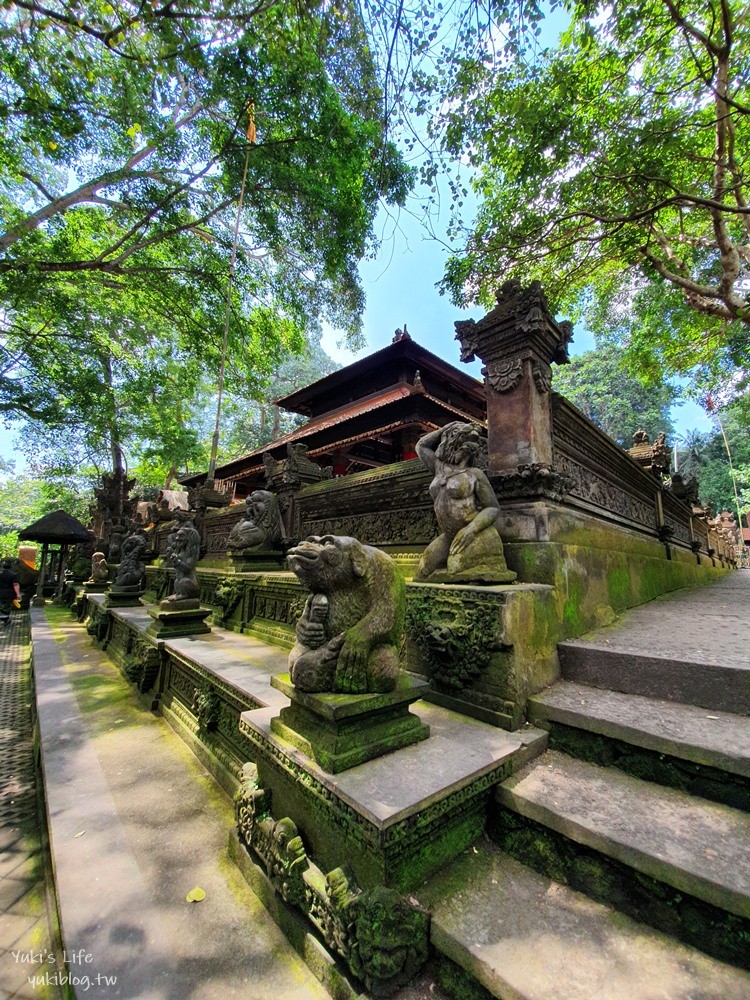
395 355
56 528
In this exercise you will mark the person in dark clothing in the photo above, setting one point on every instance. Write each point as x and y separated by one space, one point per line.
10 590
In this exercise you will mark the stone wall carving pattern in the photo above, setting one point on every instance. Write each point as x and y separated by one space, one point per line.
406 527
382 936
399 837
595 489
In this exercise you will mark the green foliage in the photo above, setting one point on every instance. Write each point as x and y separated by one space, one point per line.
122 150
600 384
26 498
705 457
614 168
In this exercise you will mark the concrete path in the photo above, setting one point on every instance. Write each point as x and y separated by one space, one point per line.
25 934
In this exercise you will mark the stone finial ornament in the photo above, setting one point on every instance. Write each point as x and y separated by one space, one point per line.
351 626
469 549
261 527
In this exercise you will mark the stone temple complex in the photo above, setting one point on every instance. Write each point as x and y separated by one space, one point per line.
401 655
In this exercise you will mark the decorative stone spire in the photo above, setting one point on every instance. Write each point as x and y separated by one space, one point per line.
517 341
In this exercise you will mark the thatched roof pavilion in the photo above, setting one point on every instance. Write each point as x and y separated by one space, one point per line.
57 528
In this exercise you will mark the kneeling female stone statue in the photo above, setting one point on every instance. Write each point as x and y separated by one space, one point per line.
470 549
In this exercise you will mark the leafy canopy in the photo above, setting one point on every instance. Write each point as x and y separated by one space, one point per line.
619 402
124 130
616 165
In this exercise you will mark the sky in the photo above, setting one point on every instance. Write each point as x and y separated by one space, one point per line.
400 285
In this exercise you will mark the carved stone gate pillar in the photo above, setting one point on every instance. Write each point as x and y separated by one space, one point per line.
517 341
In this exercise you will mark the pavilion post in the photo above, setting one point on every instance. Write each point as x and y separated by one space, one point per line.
60 571
39 598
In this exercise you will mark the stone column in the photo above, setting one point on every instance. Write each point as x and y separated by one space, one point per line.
517 341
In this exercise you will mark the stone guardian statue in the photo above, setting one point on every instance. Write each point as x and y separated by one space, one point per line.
183 554
469 548
261 526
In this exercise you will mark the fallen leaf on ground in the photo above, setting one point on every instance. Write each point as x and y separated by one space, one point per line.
195 895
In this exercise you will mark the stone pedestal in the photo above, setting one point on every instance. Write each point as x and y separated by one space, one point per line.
178 620
256 560
124 597
95 588
339 731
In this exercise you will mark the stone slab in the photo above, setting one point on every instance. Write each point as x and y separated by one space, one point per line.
696 846
524 937
703 625
714 739
239 660
390 789
722 687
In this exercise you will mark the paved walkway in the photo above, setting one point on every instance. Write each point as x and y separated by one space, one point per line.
24 925
709 624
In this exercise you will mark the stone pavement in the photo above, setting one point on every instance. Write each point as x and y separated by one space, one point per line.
24 923
708 624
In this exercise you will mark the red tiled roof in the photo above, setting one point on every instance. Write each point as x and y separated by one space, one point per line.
345 413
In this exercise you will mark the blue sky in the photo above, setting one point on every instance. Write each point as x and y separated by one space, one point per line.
401 289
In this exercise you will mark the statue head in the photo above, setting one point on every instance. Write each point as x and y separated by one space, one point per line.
460 444
328 562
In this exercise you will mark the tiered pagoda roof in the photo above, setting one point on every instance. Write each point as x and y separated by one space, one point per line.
369 414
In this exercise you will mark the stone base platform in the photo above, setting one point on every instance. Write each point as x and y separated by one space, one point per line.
171 624
126 597
394 820
340 731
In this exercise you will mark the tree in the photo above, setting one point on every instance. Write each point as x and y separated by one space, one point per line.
125 131
616 169
600 385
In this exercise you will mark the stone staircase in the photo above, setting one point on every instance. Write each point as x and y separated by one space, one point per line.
619 859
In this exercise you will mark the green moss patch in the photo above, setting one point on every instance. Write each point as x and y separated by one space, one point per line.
706 927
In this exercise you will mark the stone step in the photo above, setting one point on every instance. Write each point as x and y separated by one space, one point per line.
525 937
699 848
723 687
718 740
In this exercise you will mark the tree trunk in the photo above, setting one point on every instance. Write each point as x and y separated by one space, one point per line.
170 476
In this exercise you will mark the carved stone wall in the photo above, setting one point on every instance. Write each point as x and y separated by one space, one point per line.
387 506
382 937
208 709
607 482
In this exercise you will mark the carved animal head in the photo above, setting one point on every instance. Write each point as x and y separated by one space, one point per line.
460 444
329 562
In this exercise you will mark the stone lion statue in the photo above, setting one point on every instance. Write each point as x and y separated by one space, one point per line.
261 527
132 568
184 553
469 548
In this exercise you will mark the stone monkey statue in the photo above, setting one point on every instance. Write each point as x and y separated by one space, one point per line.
99 569
184 553
350 629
